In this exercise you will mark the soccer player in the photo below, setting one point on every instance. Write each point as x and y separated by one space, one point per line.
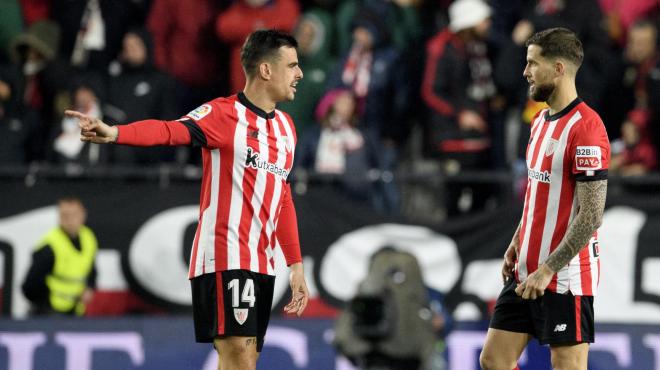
551 267
246 207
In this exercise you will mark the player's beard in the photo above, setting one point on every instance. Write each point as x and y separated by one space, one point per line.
542 92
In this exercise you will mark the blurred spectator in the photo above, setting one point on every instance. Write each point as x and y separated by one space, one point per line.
630 86
62 276
400 15
86 96
336 146
457 88
376 74
13 133
638 155
92 30
42 79
314 35
583 17
35 10
620 15
186 48
137 91
245 16
10 26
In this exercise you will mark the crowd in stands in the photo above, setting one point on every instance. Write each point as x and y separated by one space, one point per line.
386 82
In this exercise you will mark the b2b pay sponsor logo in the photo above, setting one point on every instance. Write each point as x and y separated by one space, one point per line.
587 158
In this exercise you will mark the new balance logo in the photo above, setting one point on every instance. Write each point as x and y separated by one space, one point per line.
560 328
252 160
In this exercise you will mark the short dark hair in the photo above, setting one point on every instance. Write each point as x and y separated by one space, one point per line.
558 43
644 23
263 44
70 199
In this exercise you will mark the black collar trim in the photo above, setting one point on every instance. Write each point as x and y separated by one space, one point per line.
258 111
563 112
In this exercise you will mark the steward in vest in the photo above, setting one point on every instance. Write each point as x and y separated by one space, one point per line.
62 275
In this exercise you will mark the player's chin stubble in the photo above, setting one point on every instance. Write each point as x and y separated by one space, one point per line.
541 93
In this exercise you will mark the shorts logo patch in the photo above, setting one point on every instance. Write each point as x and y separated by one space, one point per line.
200 112
240 314
587 158
560 328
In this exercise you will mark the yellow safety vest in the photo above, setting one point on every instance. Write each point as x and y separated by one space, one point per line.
68 279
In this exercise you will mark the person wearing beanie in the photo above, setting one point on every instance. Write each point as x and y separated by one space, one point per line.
373 70
638 155
336 146
42 77
458 89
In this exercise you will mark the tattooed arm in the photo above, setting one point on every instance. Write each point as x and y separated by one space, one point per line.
591 198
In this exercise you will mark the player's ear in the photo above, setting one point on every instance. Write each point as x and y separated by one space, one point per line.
265 71
560 67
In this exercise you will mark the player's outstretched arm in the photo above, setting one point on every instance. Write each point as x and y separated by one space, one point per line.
299 291
93 129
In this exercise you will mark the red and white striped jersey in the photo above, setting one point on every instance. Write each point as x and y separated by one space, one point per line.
247 157
566 147
245 201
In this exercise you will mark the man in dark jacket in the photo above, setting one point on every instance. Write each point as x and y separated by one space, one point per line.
457 89
136 91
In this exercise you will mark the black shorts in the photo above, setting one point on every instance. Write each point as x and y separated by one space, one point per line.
552 319
232 303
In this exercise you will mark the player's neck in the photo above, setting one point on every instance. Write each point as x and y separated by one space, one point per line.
258 96
562 97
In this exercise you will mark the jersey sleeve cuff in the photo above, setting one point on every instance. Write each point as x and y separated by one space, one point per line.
591 175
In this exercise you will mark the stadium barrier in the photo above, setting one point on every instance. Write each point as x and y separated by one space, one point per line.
167 343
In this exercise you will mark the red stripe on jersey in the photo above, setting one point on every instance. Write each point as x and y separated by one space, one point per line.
283 131
578 318
278 210
538 212
220 296
563 215
204 201
523 224
543 201
249 180
273 157
598 261
225 188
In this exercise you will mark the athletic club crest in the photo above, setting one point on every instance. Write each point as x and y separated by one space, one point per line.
240 314
552 146
287 143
